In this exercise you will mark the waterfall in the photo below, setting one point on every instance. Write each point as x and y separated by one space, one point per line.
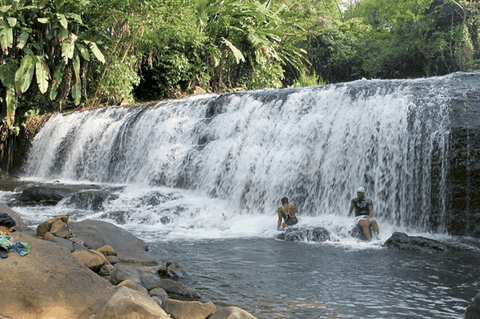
314 145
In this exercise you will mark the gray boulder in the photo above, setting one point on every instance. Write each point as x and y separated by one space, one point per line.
402 241
175 289
98 233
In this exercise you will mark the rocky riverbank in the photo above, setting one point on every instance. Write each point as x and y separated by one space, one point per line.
95 270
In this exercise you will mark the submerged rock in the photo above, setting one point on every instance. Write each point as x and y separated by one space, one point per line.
402 241
315 234
473 309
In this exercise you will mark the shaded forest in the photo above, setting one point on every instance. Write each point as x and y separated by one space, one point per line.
61 55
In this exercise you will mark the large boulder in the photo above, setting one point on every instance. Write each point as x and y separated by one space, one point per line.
45 195
98 233
131 304
49 283
402 241
188 309
473 309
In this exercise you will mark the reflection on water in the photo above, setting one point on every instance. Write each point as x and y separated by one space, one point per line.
274 279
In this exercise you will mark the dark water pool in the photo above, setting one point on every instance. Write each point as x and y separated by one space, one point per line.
275 279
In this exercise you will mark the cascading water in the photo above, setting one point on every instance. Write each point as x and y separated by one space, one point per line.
313 145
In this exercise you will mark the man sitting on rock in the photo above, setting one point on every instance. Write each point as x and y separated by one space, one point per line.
288 213
7 226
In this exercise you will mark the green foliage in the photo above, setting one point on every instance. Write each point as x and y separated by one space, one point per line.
308 79
42 36
119 80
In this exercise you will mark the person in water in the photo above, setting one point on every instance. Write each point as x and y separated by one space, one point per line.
287 213
363 212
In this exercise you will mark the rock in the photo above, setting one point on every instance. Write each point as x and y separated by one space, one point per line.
123 272
188 309
316 234
402 241
90 259
45 195
173 288
132 285
59 228
18 220
473 309
159 293
199 90
98 233
44 227
231 313
113 260
63 242
47 236
131 304
106 270
49 282
107 250
172 269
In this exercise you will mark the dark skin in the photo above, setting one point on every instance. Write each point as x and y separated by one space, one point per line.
286 208
6 230
365 222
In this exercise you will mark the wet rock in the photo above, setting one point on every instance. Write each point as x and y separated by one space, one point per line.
98 233
231 313
44 195
172 269
175 289
91 199
402 241
131 304
188 309
473 309
315 234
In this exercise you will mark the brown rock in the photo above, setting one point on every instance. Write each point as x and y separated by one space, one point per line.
59 228
131 304
47 236
124 272
106 270
231 313
44 227
90 259
113 260
107 250
132 285
49 283
188 309
199 90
